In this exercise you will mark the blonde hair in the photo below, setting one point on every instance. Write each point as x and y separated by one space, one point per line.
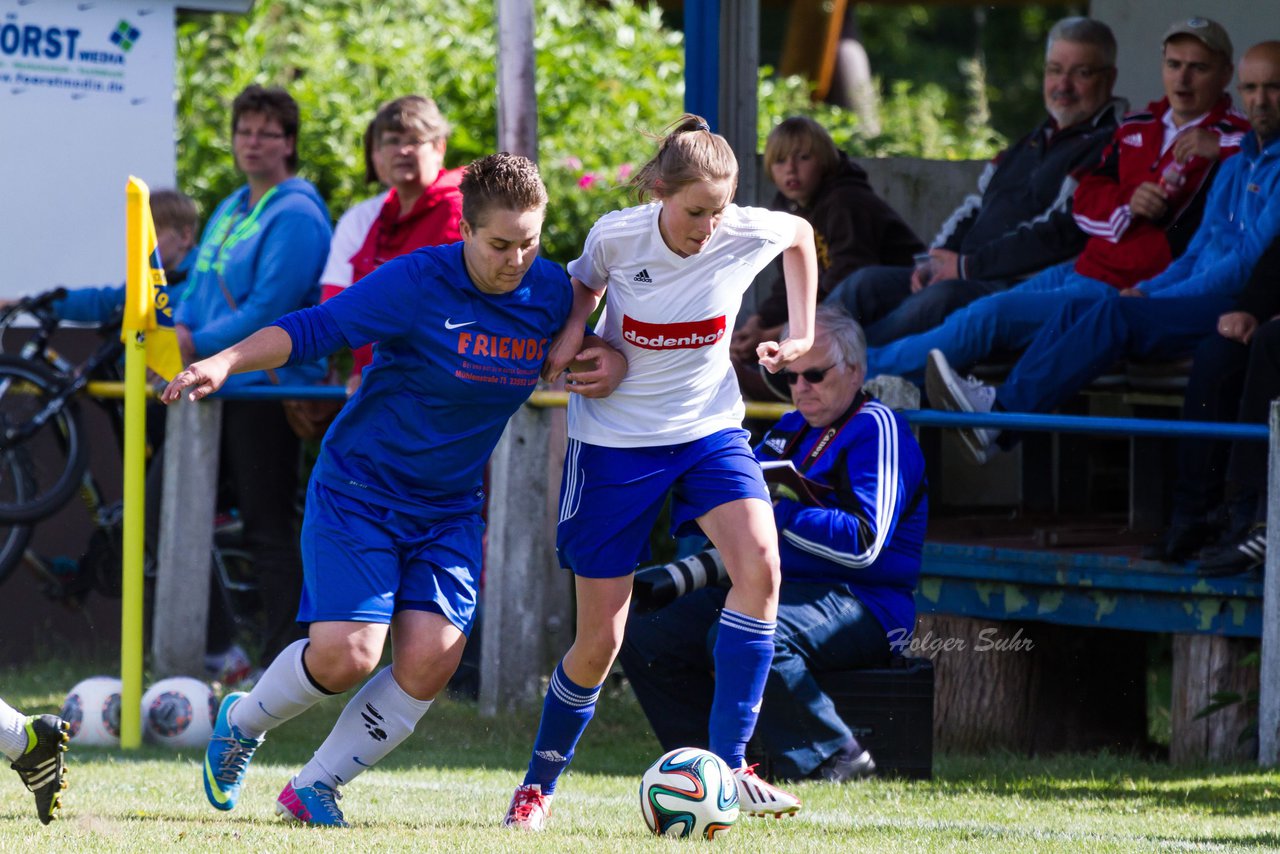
688 154
801 133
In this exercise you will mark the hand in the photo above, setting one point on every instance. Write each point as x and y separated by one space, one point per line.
596 371
917 281
1197 142
353 382
1149 201
563 350
1132 292
774 356
203 378
946 265
742 346
1237 326
186 345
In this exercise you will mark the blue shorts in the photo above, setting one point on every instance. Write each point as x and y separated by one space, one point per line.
611 497
363 562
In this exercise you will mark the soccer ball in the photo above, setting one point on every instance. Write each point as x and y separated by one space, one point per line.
92 708
689 792
179 712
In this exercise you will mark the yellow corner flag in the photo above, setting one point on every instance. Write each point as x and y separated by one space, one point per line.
147 308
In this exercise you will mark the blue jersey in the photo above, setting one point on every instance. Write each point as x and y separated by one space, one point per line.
871 537
451 366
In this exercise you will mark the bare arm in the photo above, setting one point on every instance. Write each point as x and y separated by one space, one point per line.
568 341
800 269
267 348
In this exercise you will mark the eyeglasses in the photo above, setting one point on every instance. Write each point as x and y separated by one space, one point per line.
263 135
812 376
1077 73
395 143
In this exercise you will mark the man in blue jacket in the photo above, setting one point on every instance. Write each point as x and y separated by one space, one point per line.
1164 317
849 571
260 258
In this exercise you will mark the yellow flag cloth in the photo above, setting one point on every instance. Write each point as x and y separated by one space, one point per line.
147 308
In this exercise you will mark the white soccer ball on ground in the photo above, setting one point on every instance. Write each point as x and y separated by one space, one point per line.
92 708
689 792
179 712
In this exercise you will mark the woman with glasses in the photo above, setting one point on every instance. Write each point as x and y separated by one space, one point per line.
675 270
259 258
406 149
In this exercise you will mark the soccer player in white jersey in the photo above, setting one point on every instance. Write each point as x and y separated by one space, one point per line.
34 744
675 271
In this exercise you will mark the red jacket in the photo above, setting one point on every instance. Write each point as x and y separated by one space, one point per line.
432 221
1123 249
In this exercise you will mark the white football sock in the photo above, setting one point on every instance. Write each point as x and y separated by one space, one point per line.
376 720
13 731
283 692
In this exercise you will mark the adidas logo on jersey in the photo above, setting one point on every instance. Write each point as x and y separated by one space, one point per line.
1134 139
642 277
777 445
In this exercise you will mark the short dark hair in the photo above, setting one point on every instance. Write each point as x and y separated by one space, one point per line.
502 180
274 103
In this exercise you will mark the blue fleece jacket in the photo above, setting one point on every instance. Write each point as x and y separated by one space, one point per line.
105 303
269 260
1241 218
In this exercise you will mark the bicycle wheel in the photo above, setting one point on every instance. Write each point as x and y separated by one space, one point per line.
49 437
14 536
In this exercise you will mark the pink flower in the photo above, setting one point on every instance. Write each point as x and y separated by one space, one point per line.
573 163
586 181
624 171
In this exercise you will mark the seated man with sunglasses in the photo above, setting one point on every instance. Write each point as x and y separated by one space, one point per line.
850 563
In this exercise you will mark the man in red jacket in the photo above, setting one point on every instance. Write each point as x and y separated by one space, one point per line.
1139 207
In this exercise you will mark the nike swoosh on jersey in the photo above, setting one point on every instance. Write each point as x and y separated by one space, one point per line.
449 324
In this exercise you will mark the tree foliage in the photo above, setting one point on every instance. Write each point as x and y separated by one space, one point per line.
609 76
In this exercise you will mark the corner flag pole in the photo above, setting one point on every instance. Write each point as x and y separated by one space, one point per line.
134 327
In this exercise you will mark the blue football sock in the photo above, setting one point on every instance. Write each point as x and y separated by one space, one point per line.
743 653
566 712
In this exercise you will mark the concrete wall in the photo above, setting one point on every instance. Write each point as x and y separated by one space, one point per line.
1138 25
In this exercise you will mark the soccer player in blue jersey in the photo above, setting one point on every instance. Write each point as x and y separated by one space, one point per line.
391 538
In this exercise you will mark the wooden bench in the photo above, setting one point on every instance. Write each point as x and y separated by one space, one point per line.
1012 599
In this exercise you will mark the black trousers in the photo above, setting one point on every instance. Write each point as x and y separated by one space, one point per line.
260 463
1247 469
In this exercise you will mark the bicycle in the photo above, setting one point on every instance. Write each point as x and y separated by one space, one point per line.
44 459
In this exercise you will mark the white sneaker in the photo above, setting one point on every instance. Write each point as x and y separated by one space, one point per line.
756 797
529 808
949 391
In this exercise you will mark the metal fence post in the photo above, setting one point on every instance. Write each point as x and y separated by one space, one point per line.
1269 681
186 537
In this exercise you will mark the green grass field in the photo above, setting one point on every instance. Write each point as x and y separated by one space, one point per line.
447 788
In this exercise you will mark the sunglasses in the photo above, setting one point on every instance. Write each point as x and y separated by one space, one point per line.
812 376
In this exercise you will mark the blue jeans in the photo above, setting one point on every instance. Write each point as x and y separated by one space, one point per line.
880 299
667 657
1005 321
1086 337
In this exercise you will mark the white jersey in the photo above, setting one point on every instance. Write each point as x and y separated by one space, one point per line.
349 235
671 317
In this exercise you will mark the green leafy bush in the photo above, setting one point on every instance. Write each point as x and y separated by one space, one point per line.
609 76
